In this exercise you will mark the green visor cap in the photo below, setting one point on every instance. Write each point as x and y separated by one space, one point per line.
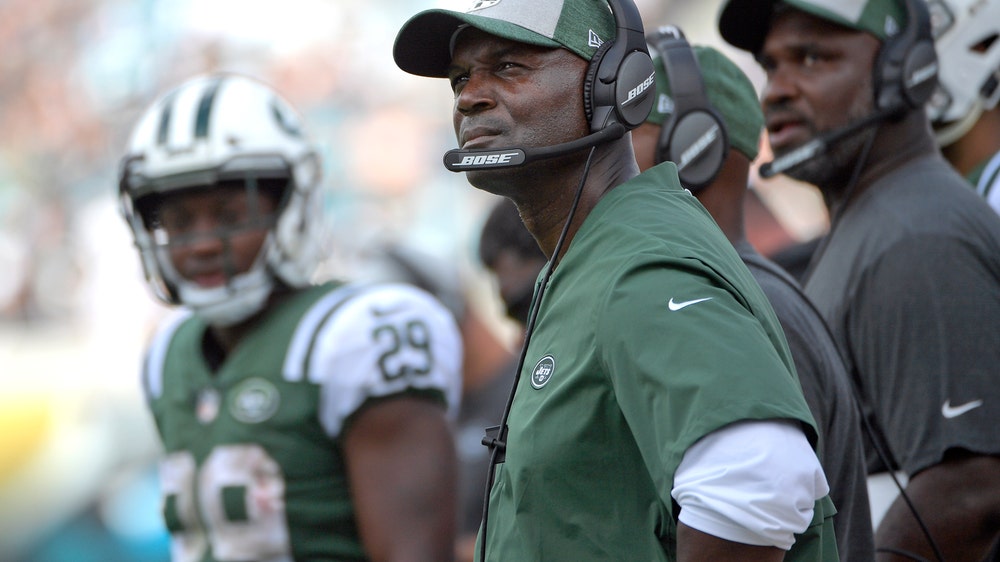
744 23
423 45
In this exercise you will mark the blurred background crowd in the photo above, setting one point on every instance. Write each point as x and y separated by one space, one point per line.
77 449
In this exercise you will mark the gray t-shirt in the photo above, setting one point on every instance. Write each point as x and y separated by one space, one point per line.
909 282
827 387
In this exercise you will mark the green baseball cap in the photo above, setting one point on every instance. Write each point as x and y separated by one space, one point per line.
729 91
744 23
423 45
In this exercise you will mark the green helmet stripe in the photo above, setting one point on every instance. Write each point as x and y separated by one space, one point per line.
164 129
205 110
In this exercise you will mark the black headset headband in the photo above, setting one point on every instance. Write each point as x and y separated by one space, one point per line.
906 68
694 137
619 83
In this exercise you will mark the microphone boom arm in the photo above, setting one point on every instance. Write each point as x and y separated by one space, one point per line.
459 160
821 144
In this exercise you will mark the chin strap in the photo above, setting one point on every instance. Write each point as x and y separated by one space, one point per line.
947 133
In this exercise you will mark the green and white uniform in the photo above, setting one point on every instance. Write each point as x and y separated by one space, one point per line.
253 466
986 178
651 335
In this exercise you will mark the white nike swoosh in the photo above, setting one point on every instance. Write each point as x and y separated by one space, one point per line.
949 411
679 305
387 310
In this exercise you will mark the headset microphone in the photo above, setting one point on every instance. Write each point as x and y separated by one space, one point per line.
905 78
459 160
822 143
618 94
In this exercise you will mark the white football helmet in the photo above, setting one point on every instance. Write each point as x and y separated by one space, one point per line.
967 39
218 128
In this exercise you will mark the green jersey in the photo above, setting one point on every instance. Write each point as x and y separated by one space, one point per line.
253 466
651 334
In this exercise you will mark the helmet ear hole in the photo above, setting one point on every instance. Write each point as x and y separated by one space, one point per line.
148 209
277 190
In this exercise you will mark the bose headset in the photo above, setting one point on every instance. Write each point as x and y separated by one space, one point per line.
906 67
617 97
617 87
694 137
905 77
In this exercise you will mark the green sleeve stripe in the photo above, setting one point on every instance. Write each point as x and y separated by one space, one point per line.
990 176
307 366
202 118
300 349
163 128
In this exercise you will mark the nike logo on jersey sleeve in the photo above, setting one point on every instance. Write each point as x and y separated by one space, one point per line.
679 305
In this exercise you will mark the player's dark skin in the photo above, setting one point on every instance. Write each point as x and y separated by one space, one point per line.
218 232
976 146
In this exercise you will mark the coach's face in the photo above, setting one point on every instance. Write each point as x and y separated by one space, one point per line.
819 78
512 94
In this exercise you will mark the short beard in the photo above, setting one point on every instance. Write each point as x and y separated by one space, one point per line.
831 170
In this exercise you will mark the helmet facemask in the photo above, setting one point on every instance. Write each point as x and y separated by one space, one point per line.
252 144
967 40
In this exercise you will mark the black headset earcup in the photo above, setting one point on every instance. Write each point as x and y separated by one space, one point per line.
906 67
694 137
608 102
619 86
920 73
632 106
697 143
